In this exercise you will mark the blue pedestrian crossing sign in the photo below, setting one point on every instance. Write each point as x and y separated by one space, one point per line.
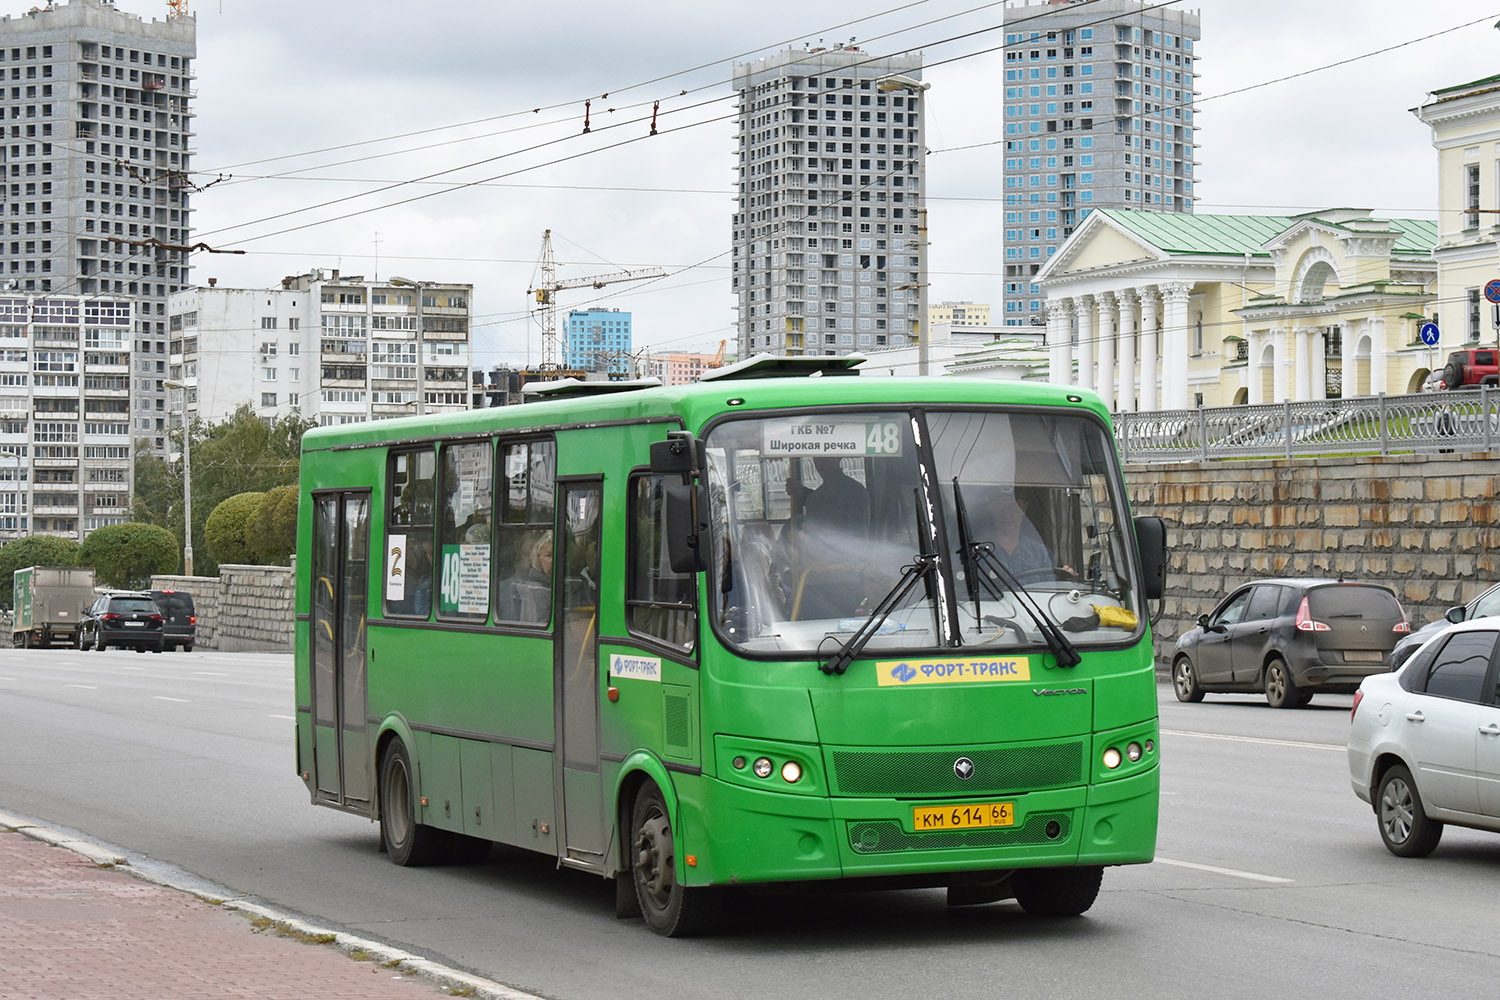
1430 334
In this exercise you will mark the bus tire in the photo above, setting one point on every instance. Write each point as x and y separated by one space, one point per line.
408 842
1057 892
670 909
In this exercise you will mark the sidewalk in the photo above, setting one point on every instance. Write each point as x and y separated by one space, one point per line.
77 924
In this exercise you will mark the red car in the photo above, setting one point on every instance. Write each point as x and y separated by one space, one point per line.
1474 367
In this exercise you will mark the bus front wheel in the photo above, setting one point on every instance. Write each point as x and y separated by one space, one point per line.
670 908
1057 892
407 841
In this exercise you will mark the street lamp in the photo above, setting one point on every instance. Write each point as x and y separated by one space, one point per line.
187 479
421 287
918 89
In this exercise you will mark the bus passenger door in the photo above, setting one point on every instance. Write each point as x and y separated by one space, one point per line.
578 675
341 554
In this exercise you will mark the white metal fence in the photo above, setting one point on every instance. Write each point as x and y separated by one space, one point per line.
1453 420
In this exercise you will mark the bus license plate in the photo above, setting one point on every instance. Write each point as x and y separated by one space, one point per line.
963 817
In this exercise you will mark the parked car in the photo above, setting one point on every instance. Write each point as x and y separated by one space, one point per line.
129 620
1424 742
180 618
1474 367
1487 603
1289 638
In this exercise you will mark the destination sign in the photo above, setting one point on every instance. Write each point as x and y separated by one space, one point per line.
852 438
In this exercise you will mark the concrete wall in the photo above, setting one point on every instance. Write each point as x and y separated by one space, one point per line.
243 608
1426 526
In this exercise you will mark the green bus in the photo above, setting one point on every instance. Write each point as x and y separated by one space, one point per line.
786 625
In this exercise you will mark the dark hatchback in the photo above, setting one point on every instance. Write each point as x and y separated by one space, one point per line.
1290 638
180 618
128 621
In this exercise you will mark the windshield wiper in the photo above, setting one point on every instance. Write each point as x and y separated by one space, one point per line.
920 568
981 555
911 574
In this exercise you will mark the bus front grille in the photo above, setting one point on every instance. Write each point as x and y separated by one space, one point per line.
887 836
997 770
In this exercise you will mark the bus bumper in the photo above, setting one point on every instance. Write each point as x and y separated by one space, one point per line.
737 835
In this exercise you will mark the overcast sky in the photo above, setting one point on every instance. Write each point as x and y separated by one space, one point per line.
291 94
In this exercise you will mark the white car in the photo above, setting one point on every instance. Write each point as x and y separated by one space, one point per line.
1424 742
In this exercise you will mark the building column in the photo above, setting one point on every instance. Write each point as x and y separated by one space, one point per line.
1320 363
1060 341
1125 396
1378 356
1083 306
1105 384
1302 362
1150 376
1281 370
1175 345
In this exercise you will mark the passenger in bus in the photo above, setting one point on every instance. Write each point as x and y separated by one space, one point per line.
529 593
833 525
1018 544
419 578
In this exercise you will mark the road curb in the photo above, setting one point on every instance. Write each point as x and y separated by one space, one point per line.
381 954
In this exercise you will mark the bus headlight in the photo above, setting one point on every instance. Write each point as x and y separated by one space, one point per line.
1112 758
1133 752
762 767
791 772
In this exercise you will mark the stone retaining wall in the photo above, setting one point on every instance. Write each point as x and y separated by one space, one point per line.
1428 527
243 608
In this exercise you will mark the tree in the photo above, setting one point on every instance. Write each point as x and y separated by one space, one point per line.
38 550
271 531
241 454
225 529
126 555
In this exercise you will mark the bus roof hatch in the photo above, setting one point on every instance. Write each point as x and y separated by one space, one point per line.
568 388
785 365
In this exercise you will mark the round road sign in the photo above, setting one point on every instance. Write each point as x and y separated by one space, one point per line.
1492 290
1430 334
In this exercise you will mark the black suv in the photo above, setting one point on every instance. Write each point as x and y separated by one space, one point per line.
180 626
127 620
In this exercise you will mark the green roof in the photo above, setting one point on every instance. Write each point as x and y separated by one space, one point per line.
1466 86
1183 233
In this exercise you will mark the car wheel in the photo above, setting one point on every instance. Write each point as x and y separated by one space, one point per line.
99 644
1281 690
1404 825
408 842
187 648
1057 892
670 908
1185 680
1453 374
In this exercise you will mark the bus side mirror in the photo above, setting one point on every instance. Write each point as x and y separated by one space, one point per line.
679 454
684 531
1151 540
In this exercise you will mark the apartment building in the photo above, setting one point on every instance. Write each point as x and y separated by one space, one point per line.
598 340
334 348
65 441
830 232
95 124
959 314
1098 114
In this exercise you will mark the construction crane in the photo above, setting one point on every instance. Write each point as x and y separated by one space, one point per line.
718 361
178 8
546 295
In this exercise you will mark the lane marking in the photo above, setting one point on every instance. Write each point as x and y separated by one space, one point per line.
1231 872
208 673
288 718
162 697
86 687
1266 741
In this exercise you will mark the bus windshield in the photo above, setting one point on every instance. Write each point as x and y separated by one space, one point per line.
815 517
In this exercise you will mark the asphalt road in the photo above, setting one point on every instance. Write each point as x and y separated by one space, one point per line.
1270 879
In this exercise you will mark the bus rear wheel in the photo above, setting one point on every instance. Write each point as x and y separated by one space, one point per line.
1057 892
408 842
670 908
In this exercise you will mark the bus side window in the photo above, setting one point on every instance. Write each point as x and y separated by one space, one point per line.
658 602
523 539
464 530
408 533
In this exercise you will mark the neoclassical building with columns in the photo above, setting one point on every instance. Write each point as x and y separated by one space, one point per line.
1159 311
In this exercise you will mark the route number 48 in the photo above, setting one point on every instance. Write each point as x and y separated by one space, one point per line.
883 438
